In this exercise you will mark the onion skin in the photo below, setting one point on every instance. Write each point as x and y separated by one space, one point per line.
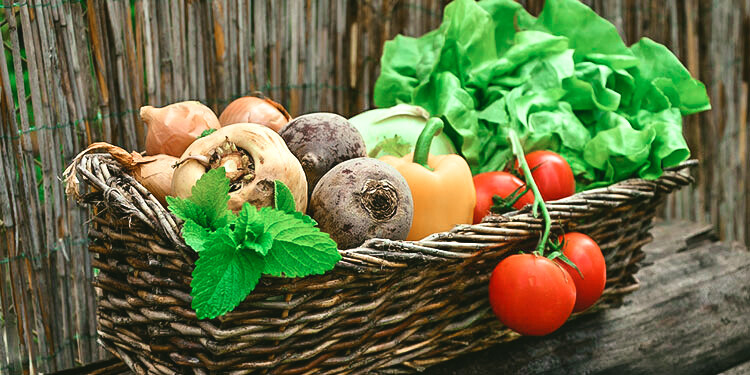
251 109
271 158
171 129
155 174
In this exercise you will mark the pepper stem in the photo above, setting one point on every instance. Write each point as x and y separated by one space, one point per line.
538 201
422 148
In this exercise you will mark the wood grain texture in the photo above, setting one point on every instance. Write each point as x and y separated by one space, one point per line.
742 369
687 318
92 63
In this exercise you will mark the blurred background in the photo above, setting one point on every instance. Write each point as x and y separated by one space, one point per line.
77 71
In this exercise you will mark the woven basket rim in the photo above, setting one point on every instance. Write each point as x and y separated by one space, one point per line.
461 242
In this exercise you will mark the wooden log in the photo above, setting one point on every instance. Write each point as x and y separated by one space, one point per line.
742 369
689 317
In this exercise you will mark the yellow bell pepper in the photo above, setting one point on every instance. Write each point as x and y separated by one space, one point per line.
441 186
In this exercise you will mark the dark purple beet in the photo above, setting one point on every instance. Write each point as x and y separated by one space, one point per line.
360 199
320 141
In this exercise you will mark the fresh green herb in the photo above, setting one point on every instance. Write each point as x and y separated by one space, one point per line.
299 249
564 82
235 250
206 132
249 230
225 273
194 235
284 201
207 206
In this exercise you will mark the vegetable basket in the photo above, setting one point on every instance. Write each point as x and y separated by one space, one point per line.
387 307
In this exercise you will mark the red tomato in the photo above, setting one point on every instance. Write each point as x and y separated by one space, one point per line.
503 184
531 295
552 175
587 256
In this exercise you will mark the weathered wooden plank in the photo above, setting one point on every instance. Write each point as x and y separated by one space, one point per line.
676 237
742 369
688 317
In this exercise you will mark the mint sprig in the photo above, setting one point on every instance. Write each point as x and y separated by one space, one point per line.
284 201
207 206
224 275
234 250
299 249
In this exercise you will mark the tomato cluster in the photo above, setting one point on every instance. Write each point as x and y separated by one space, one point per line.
529 293
534 295
552 174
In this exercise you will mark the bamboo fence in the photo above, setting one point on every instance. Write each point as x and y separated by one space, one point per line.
88 66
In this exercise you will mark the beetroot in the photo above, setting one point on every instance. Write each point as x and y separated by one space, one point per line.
360 199
321 141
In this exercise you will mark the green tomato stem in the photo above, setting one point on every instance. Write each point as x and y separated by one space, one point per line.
538 201
422 148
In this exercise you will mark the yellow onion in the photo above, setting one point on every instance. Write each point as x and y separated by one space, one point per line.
171 129
153 172
256 110
253 156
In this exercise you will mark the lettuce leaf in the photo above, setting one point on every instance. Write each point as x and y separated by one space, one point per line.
565 82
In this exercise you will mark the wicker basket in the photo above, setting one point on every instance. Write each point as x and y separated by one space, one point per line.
387 307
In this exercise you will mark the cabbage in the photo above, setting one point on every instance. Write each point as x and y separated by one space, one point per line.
394 131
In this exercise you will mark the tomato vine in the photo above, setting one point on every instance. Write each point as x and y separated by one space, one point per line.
517 149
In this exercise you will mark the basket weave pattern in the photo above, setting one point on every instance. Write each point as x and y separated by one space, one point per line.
387 307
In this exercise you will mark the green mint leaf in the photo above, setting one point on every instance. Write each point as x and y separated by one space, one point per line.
283 198
207 206
249 224
224 275
194 235
211 193
206 132
299 249
249 230
261 245
304 218
187 211
284 201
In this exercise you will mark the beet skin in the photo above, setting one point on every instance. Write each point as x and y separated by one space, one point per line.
360 199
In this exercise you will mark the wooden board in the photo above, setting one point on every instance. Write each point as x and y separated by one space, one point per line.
690 316
742 369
